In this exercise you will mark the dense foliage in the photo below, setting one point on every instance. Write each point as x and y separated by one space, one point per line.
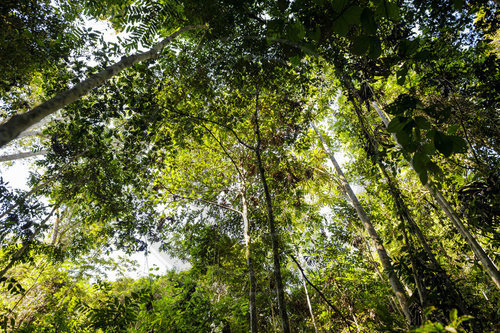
217 145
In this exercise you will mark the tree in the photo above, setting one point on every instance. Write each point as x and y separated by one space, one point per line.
204 146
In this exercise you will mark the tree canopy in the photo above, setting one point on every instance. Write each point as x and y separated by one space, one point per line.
210 128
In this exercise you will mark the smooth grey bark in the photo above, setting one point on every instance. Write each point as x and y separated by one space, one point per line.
385 259
413 227
309 305
375 266
449 287
478 251
10 129
285 326
248 255
18 156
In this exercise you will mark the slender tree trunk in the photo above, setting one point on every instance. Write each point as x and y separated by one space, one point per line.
385 259
251 273
273 317
415 270
479 252
309 305
375 266
274 235
20 122
55 230
448 286
308 299
402 210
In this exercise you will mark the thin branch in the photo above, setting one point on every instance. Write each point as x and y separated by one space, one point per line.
206 201
225 151
216 123
334 308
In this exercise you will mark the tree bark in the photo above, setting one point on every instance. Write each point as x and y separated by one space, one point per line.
447 286
18 156
20 122
385 259
274 235
309 305
251 273
479 252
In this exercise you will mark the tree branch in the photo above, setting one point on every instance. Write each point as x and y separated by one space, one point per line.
20 122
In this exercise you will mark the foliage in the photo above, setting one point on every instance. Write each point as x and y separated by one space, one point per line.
207 151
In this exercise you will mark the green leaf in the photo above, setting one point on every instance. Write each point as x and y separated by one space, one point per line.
389 10
360 45
429 149
368 21
401 75
428 310
296 31
449 144
422 123
419 161
340 26
338 5
402 103
453 315
403 139
375 48
397 124
352 15
424 177
408 47
316 34
442 143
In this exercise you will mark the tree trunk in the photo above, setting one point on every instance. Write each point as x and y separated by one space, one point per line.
447 286
18 156
309 305
251 273
479 252
274 235
20 122
385 259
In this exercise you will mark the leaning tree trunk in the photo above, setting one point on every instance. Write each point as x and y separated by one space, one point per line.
20 122
385 259
251 272
21 155
274 235
405 216
488 264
